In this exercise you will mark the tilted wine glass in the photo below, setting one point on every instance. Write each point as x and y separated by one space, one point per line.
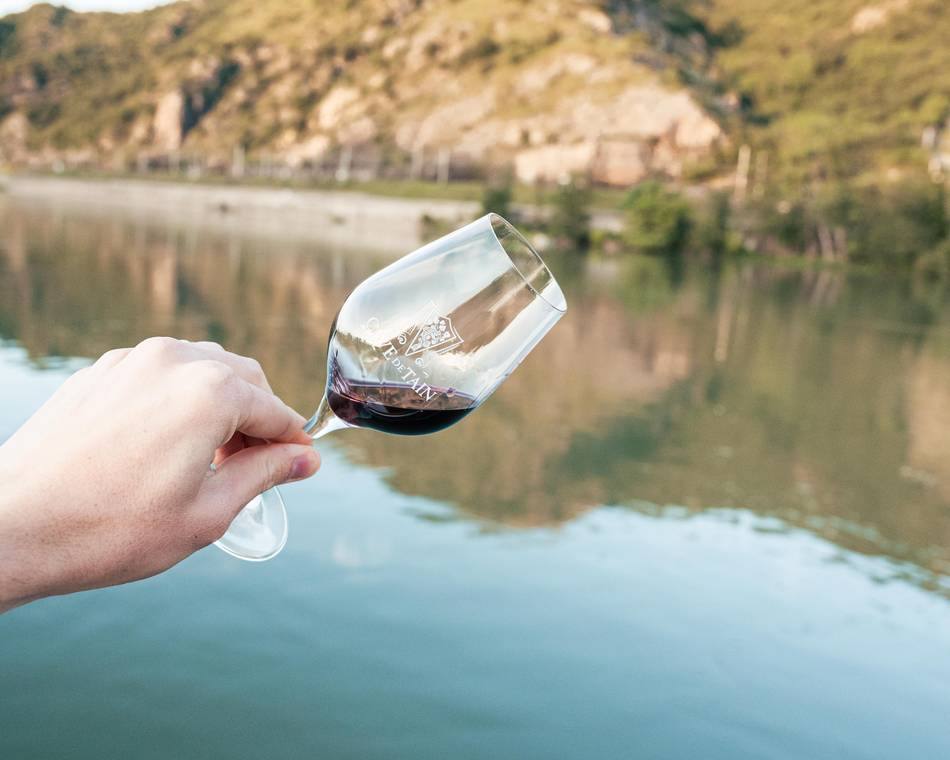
419 345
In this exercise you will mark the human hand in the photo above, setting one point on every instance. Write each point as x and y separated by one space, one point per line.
109 481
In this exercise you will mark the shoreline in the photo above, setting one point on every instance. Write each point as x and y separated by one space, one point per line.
350 219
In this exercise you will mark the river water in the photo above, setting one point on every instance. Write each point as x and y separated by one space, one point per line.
708 517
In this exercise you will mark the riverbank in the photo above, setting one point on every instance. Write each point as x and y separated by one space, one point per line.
382 216
347 219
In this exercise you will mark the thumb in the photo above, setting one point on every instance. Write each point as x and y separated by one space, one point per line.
253 470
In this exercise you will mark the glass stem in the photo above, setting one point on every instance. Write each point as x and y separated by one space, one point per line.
323 421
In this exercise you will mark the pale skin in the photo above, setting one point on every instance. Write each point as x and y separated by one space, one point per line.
110 481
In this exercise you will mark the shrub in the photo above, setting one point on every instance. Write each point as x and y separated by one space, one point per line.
484 49
570 219
658 220
935 263
7 39
496 198
889 227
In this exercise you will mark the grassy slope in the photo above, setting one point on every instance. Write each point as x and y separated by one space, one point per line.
828 99
89 70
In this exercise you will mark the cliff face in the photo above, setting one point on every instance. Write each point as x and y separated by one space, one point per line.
550 88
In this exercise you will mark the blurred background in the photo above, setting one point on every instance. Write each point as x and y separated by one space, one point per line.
710 514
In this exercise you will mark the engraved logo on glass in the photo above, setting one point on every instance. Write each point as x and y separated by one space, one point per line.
430 333
436 334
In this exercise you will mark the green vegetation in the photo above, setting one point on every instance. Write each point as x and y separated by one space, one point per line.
898 227
658 219
832 97
834 89
497 198
569 223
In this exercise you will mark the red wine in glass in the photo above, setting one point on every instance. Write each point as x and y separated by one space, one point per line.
396 408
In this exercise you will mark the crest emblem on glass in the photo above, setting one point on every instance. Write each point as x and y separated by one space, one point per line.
419 345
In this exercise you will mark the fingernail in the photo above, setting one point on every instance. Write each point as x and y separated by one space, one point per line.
301 467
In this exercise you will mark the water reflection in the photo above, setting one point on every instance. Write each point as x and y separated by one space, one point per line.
820 400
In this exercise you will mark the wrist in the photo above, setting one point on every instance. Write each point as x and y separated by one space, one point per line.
19 583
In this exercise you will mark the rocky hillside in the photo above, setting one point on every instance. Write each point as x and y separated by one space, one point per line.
551 88
620 89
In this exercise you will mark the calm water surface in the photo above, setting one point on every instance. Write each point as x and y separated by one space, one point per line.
708 517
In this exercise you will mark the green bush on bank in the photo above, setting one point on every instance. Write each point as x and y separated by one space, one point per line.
497 197
569 223
658 219
890 227
900 226
893 226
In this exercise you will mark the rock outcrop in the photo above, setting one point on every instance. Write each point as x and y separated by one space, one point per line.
169 118
13 133
646 130
871 17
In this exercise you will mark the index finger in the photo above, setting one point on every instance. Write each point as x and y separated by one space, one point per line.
261 414
246 367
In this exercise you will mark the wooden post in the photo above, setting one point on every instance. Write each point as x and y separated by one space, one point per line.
826 243
742 173
418 162
373 170
345 165
238 162
444 167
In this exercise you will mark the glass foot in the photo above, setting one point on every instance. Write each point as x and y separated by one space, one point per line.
259 531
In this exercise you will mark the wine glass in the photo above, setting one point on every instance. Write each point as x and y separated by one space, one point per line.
419 345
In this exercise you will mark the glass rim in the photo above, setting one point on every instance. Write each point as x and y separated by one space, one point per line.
492 218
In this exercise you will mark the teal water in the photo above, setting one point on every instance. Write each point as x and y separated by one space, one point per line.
709 517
